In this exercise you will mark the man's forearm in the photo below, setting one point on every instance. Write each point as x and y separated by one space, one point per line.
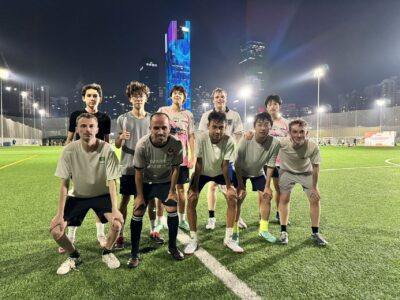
112 188
268 177
315 174
225 173
139 182
196 174
174 178
62 196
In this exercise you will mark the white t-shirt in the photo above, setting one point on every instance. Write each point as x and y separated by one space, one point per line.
89 171
234 123
213 155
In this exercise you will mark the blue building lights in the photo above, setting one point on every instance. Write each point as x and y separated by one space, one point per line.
177 49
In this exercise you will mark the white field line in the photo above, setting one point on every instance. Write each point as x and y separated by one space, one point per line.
237 286
388 161
17 162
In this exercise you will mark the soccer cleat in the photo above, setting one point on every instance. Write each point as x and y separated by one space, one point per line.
111 261
235 237
317 237
191 247
266 235
102 240
284 238
211 224
68 265
242 224
184 225
133 262
120 243
156 238
176 253
231 244
277 219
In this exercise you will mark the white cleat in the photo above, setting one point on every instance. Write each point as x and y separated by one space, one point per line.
284 238
191 247
111 261
68 265
233 245
211 224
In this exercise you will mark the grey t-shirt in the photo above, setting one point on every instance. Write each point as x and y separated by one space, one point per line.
251 156
157 161
213 155
234 123
137 128
89 171
298 160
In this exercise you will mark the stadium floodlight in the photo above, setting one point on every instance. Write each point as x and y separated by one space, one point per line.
205 106
381 103
8 88
245 92
321 109
4 75
318 73
250 119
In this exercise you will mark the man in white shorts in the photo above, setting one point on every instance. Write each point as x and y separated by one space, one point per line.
300 164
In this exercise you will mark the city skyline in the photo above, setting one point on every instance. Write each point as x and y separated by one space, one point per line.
105 43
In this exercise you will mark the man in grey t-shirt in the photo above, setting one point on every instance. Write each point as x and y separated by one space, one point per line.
93 167
255 160
157 159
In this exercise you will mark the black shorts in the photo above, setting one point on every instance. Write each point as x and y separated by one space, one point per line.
258 183
76 209
183 175
275 174
127 186
203 180
156 190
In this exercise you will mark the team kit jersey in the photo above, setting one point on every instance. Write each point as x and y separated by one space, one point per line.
89 171
182 126
234 123
252 156
156 161
299 160
137 129
103 120
279 130
213 155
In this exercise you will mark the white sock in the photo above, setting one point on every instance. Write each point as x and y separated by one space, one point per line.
182 217
193 235
152 225
100 229
72 232
228 233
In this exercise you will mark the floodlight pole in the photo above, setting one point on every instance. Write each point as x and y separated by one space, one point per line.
318 78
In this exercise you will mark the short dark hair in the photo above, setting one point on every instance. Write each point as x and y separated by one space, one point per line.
275 98
158 114
93 86
216 116
86 116
299 122
135 88
181 89
262 116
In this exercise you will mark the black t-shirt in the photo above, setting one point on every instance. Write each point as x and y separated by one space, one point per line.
102 118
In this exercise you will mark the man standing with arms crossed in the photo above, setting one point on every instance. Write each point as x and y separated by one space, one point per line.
93 167
300 164
235 130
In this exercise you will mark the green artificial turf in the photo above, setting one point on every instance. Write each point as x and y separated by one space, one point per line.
360 219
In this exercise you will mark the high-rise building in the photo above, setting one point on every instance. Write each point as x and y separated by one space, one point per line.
201 102
149 75
177 49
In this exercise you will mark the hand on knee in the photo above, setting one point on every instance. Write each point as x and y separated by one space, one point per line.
56 232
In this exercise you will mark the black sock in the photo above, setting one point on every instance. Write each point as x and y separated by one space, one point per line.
314 229
75 254
173 222
136 230
283 228
211 214
106 251
277 214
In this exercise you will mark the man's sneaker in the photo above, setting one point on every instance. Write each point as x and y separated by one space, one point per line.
176 253
284 238
266 235
61 250
242 224
156 238
111 261
102 240
317 237
120 243
133 262
68 265
191 247
235 237
184 225
231 244
211 224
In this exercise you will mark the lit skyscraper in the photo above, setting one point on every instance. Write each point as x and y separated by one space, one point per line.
177 49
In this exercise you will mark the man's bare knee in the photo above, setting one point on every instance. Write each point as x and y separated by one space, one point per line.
57 233
117 224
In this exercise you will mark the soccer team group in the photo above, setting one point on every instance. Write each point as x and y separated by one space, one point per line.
157 152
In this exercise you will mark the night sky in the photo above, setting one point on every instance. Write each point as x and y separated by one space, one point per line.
63 42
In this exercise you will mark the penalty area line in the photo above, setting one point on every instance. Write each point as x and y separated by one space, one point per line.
238 287
388 161
17 162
